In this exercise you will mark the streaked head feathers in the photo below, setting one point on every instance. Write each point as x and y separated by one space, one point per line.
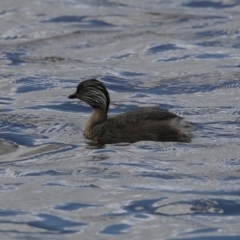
92 92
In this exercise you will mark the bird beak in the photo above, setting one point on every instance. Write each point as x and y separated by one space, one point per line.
72 96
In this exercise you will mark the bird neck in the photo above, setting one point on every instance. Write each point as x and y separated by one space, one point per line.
98 116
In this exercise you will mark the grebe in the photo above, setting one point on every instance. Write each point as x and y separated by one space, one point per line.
142 124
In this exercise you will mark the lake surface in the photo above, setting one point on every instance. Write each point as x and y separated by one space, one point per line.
180 55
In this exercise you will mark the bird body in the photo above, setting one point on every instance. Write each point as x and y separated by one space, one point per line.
142 124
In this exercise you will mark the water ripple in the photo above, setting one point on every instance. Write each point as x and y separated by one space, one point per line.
54 223
209 4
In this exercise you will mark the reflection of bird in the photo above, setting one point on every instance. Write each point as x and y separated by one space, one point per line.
142 124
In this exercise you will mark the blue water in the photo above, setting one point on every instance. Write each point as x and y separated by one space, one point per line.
180 55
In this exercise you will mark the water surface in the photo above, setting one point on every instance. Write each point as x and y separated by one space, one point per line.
179 55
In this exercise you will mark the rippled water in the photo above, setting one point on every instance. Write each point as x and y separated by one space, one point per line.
179 55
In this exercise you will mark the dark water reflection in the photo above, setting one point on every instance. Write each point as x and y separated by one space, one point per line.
183 56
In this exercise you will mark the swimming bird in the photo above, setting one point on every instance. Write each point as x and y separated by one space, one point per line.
141 124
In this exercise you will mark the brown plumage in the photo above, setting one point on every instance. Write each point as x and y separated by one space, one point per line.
142 124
